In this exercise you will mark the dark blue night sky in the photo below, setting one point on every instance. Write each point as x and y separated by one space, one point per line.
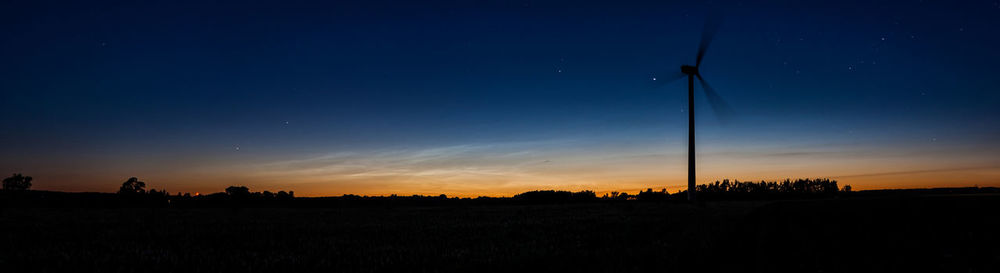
493 98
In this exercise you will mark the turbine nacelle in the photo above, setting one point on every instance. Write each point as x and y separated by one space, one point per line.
690 70
716 101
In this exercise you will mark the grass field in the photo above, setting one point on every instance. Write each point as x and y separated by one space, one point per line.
953 233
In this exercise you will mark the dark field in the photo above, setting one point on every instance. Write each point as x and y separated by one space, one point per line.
948 233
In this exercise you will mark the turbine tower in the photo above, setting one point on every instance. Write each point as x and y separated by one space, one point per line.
722 109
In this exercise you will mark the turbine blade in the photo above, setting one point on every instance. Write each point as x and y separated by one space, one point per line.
711 25
657 81
722 109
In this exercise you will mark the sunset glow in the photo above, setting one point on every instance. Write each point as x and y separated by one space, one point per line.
495 99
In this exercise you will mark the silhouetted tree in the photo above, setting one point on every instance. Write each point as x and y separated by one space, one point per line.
241 192
623 196
17 182
160 193
649 194
282 195
132 186
584 195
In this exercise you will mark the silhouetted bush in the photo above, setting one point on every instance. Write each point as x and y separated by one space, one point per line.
17 182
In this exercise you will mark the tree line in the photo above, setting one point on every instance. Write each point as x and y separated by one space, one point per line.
134 187
133 192
743 190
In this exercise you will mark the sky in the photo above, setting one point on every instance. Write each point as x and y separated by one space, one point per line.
493 98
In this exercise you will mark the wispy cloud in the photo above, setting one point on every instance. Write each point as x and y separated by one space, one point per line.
440 162
504 168
476 167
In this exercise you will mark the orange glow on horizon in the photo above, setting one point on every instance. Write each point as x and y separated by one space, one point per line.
631 187
509 169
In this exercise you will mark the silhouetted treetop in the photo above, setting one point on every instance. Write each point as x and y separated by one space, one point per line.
132 186
238 192
17 182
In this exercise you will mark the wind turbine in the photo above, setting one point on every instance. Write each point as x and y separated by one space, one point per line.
722 109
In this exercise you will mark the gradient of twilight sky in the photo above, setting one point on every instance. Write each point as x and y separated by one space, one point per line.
472 98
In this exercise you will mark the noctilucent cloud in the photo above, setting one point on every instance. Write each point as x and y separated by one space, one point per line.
472 98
